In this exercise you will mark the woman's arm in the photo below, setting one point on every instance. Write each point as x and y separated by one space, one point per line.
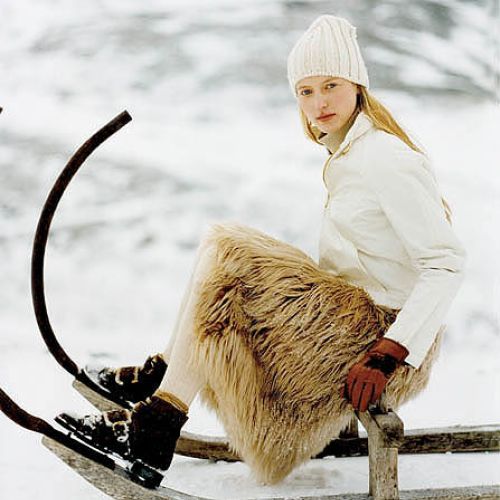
409 197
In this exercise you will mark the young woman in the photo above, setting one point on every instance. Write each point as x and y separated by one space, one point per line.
284 348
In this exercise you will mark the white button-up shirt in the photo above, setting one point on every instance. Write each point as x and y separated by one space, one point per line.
384 229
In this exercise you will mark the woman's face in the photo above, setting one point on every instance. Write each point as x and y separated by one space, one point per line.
320 96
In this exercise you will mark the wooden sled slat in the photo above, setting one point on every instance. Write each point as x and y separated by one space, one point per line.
454 439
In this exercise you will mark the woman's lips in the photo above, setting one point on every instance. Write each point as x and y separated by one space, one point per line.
325 117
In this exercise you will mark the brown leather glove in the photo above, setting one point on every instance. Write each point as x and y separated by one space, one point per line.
367 378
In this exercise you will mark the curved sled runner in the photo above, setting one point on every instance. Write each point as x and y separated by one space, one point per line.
189 444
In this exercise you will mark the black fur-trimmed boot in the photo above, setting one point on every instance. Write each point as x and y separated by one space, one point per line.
132 383
148 432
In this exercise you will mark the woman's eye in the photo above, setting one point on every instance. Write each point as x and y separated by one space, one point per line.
304 92
331 85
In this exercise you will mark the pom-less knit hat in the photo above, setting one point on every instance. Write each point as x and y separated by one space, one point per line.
328 47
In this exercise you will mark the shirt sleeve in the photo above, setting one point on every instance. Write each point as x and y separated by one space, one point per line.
408 194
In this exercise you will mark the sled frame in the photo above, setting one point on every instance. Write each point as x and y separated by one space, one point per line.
103 473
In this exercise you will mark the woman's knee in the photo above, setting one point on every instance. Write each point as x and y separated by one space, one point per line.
215 232
208 240
211 238
207 252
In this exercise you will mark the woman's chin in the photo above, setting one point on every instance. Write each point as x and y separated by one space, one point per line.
328 129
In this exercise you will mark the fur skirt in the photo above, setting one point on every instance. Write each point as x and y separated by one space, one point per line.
275 336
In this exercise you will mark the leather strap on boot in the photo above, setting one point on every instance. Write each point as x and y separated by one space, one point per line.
172 399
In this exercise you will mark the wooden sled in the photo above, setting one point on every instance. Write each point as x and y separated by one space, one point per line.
384 428
125 480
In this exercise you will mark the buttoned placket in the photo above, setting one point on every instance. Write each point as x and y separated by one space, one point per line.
357 130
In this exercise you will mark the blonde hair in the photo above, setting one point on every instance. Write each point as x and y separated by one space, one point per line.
382 119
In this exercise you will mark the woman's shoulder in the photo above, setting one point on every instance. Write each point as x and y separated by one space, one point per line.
385 153
388 143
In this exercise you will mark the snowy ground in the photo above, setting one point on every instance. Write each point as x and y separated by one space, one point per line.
207 145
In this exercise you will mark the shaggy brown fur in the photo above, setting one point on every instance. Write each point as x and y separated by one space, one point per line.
275 338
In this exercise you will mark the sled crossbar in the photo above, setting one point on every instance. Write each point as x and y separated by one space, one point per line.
455 439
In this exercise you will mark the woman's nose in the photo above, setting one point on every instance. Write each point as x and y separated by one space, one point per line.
321 101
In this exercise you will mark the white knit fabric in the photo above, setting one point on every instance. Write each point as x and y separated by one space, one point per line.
328 47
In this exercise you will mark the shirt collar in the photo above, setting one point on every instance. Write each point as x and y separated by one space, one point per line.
333 141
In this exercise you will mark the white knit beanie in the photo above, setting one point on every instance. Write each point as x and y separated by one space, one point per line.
328 47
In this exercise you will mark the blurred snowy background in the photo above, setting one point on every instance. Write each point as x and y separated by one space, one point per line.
216 136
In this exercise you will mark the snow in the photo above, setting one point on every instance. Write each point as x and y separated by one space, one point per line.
209 141
331 476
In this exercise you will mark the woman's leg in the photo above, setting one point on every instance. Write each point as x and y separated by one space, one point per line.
181 379
200 261
136 383
152 427
167 353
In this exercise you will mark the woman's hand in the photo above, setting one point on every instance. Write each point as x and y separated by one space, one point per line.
367 378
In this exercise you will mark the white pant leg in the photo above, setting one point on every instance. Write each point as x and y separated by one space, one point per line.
202 249
180 379
167 353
